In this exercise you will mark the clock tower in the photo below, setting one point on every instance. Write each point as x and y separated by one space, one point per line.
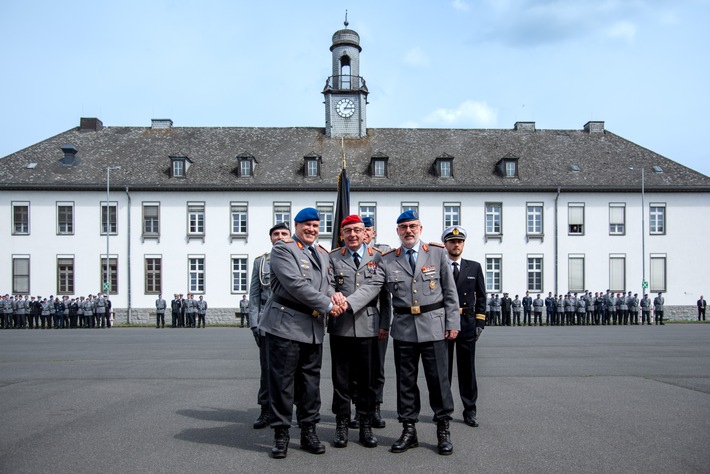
345 91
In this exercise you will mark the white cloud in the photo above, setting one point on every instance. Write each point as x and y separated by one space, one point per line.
416 57
460 5
468 113
623 30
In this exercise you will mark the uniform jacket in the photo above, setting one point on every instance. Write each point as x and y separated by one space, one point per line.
201 306
259 288
527 302
363 286
431 282
517 306
175 305
658 303
471 290
298 277
160 305
538 303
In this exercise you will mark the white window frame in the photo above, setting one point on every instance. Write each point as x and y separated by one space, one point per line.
239 274
617 218
66 278
25 229
21 281
493 221
617 273
452 214
535 267
656 212
196 219
112 223
69 230
410 206
534 220
658 273
575 217
576 264
157 275
196 274
239 219
326 213
282 213
112 273
494 273
151 234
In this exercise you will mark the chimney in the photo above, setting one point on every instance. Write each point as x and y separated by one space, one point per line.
594 127
527 126
161 123
70 158
90 124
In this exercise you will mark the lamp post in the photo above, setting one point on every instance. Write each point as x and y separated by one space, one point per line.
644 284
107 282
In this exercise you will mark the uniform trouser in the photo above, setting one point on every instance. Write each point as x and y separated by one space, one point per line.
294 376
58 321
580 318
72 320
537 316
701 314
46 320
506 318
354 359
658 316
496 318
624 317
589 317
465 349
190 320
175 318
159 319
598 316
634 317
548 317
612 316
90 322
434 357
201 319
34 320
645 317
181 320
516 318
380 376
262 396
526 316
570 318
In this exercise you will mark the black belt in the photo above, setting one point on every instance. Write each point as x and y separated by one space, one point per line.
467 309
301 308
417 309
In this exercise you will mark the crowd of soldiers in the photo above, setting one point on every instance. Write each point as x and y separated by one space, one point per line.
30 312
573 309
186 312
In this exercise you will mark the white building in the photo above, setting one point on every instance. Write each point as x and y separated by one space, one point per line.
190 208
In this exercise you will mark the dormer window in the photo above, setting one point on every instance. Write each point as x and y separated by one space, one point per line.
378 166
311 166
444 166
179 166
246 166
507 167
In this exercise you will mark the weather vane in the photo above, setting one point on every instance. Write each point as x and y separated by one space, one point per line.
346 19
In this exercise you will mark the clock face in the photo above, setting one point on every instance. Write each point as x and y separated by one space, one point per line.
345 107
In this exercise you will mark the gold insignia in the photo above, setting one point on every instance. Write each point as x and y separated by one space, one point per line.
432 284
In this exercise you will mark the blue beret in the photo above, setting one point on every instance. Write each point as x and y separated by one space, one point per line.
368 222
307 214
407 216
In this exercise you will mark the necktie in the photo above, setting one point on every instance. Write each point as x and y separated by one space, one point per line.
314 255
456 270
410 257
356 259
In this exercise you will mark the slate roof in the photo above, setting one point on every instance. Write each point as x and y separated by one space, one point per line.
544 160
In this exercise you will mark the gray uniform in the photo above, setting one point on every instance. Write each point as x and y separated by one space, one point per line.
160 306
658 302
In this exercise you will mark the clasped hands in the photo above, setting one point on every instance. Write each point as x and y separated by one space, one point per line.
340 304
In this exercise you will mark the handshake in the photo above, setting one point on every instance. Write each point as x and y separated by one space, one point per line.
340 304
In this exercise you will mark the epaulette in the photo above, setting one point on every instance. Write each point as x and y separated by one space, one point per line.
375 248
389 251
288 240
437 244
323 248
338 249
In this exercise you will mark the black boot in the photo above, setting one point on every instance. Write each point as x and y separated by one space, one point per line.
280 447
263 420
367 439
377 421
407 440
355 422
309 439
341 431
444 436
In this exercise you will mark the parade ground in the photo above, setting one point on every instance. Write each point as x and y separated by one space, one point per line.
554 400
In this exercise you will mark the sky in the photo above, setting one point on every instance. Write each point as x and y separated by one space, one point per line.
642 67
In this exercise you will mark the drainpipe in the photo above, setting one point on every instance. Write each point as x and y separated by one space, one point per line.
557 258
128 269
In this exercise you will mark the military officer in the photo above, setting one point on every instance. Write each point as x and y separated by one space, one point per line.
538 304
623 310
633 302
517 309
243 311
527 309
358 275
549 309
496 310
645 310
175 306
471 290
658 303
702 306
294 322
505 306
426 314
259 292
201 306
160 307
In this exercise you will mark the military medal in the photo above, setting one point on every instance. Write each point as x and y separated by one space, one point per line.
432 284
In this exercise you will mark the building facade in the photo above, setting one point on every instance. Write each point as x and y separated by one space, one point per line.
190 207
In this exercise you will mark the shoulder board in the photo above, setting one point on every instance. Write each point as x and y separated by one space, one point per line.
377 249
390 251
322 248
342 249
370 252
264 255
287 240
436 244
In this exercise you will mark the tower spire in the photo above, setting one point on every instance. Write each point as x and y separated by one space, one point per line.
346 19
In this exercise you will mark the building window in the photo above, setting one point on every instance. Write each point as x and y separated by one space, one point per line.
246 166
575 218
444 166
325 212
282 213
20 218
452 214
494 219
112 220
535 274
196 218
658 273
378 167
410 206
21 274
657 219
494 273
617 273
575 273
151 220
239 274
65 275
65 218
617 219
196 274
534 219
239 218
507 167
368 209
179 166
153 275
112 274
312 166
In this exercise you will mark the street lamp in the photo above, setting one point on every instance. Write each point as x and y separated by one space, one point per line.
644 284
107 281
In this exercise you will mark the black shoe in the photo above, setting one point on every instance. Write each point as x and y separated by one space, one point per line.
407 440
280 447
309 439
470 420
355 422
341 431
367 439
263 420
444 436
377 421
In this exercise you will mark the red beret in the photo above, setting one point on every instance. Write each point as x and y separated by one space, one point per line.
351 219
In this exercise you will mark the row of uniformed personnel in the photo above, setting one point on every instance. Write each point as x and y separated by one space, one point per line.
29 312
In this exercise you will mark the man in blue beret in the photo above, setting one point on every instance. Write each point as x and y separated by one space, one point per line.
293 321
425 305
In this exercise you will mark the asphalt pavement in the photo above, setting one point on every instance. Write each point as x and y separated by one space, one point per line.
553 400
